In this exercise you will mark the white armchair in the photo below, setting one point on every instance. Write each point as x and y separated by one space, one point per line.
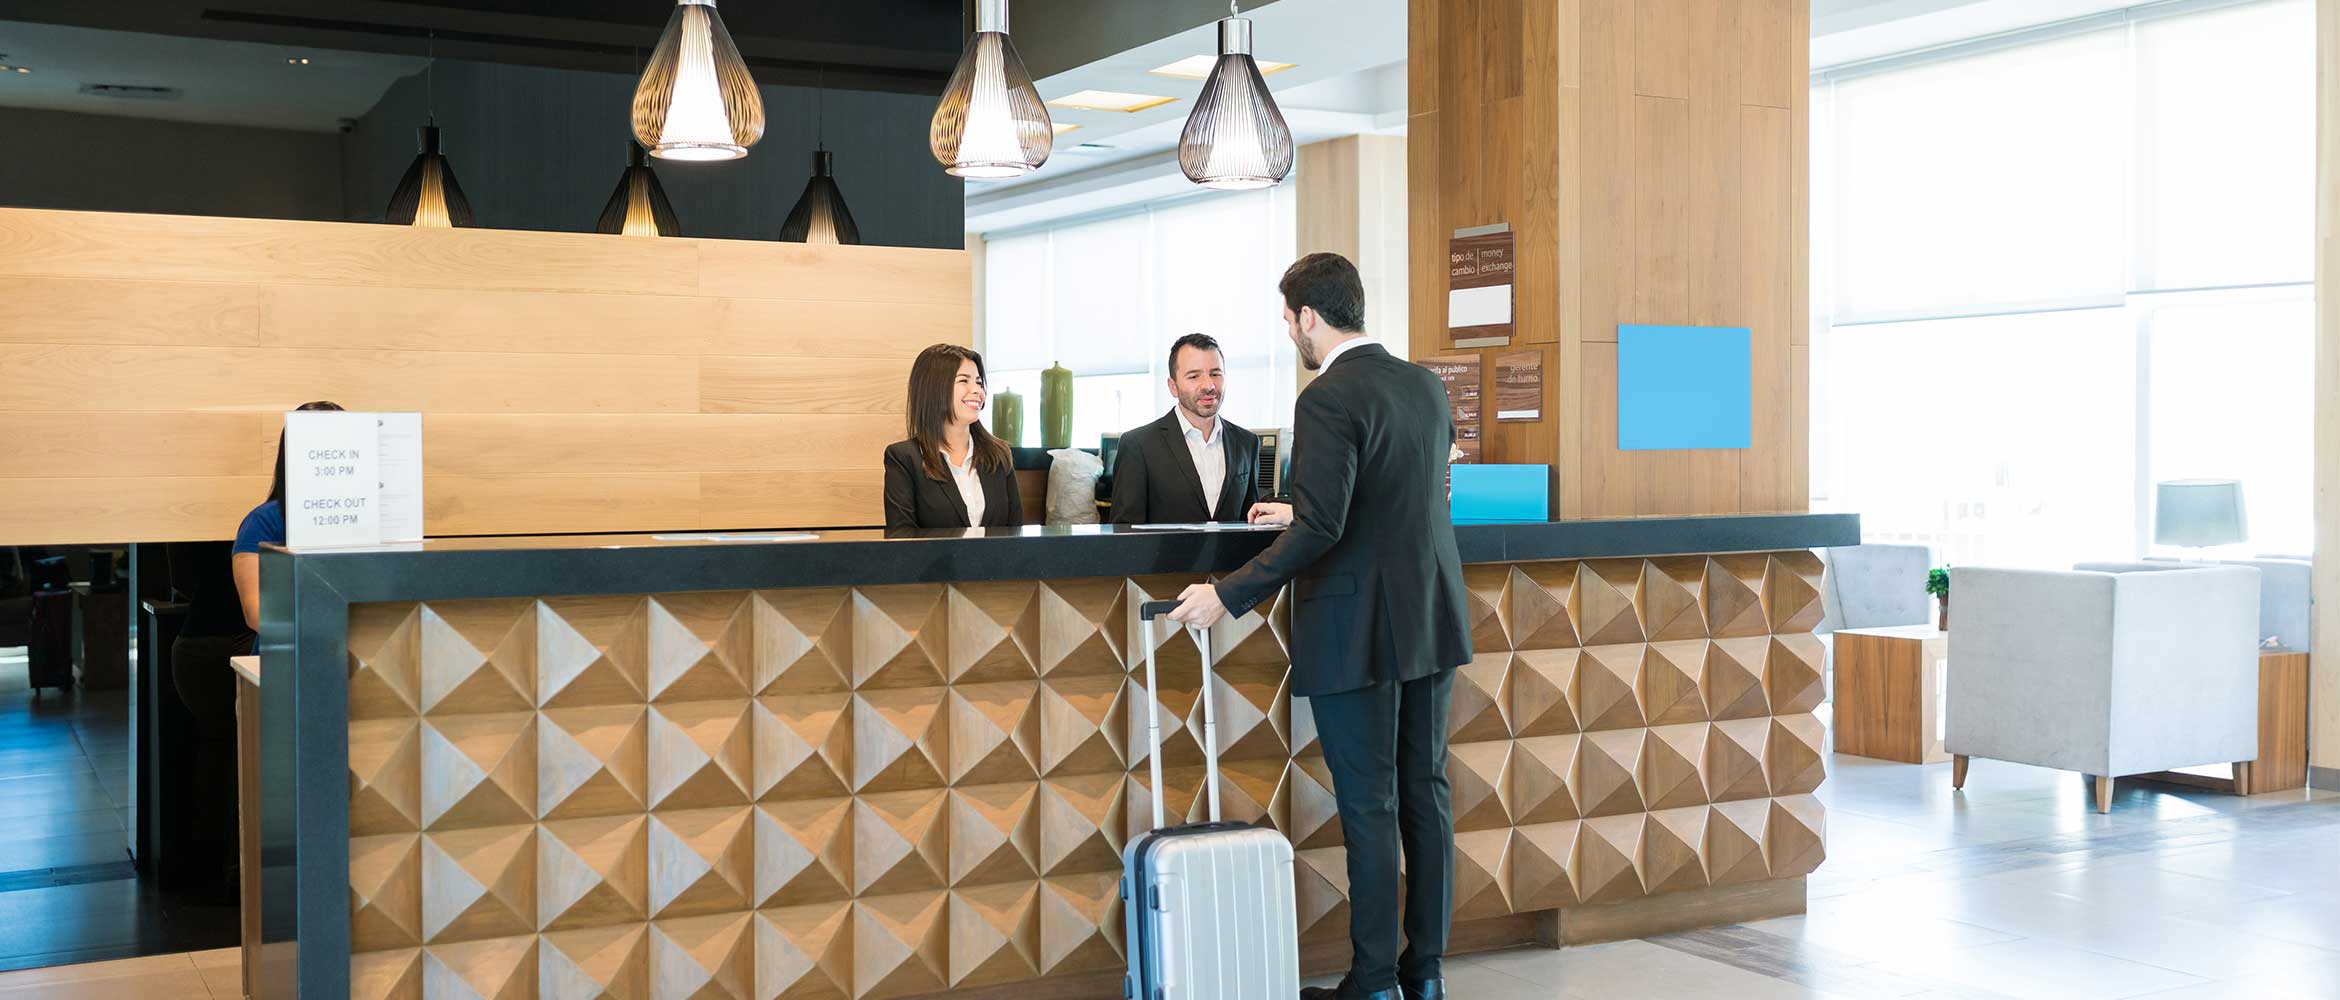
2107 674
2286 593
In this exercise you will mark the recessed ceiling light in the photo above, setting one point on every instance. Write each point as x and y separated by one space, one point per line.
296 60
1062 128
1108 100
4 68
1199 67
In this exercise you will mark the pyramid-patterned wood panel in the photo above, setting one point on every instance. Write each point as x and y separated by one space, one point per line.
904 790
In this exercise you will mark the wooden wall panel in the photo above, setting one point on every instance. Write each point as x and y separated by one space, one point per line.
94 311
193 248
472 444
803 385
1651 163
112 445
569 383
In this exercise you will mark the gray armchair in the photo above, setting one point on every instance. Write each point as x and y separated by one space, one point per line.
1873 586
2286 593
2106 673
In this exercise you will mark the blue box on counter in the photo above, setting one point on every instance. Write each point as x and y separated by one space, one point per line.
1494 494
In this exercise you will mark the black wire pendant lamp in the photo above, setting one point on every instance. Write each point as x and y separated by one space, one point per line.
427 194
1235 139
638 207
990 122
820 215
696 99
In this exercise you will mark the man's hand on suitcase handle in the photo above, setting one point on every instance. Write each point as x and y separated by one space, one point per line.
1199 607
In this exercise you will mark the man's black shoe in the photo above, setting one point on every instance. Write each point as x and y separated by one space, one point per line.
1348 991
1428 989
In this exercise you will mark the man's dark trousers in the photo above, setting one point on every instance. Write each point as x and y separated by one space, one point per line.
1386 747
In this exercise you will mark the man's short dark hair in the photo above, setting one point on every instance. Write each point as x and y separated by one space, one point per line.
1198 341
1327 283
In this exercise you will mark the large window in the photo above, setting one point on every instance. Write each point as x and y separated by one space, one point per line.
2049 272
1106 297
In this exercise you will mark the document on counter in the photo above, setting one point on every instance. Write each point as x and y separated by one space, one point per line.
399 448
1205 526
766 536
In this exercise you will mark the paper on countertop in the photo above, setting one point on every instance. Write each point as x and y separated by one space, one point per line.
1204 526
765 536
400 468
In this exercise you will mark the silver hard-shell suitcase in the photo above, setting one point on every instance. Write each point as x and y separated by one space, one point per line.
1208 906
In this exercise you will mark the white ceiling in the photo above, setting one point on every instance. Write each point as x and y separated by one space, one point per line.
222 82
1351 80
1348 78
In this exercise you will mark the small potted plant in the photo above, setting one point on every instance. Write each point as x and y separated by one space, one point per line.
1938 584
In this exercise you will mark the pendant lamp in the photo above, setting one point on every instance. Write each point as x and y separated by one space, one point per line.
1235 140
990 122
638 207
820 216
428 195
696 100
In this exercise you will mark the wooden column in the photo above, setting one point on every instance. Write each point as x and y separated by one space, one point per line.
1650 158
2324 681
1351 200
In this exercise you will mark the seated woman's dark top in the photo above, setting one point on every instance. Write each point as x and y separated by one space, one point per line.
917 500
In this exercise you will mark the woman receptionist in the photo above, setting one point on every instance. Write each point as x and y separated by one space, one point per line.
950 473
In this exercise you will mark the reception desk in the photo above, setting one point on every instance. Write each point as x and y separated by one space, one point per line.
860 766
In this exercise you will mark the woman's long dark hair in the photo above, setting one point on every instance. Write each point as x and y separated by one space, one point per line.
933 392
276 486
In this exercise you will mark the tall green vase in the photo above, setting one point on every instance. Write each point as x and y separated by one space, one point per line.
1056 405
1007 418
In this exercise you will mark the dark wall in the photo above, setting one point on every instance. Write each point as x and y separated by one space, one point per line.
60 159
541 149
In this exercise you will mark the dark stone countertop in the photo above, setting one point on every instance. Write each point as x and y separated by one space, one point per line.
589 564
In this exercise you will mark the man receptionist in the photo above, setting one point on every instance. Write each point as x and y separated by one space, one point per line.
1192 465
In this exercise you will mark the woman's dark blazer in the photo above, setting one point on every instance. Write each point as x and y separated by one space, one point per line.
915 500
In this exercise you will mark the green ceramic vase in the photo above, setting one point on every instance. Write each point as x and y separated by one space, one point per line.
1056 403
1007 418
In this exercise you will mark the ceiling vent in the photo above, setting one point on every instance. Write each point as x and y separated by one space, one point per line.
131 92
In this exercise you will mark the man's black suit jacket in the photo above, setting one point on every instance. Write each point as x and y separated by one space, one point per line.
1154 481
1377 587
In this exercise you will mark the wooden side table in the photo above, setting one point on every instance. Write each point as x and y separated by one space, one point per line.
1888 699
2283 710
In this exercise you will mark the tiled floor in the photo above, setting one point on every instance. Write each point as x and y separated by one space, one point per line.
68 892
2015 887
200 975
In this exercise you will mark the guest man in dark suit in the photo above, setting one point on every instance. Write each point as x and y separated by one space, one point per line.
1378 620
1192 465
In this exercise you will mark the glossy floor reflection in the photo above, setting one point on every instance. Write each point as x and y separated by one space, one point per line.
2013 888
68 892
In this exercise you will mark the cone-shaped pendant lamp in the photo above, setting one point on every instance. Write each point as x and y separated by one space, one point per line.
820 216
990 122
1235 140
696 100
428 195
638 207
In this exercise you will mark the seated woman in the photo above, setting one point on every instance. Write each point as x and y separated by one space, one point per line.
950 473
222 618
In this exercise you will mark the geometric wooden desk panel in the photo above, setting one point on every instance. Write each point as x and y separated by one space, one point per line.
903 790
1888 692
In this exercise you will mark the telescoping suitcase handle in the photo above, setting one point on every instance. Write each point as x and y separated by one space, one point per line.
1147 612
